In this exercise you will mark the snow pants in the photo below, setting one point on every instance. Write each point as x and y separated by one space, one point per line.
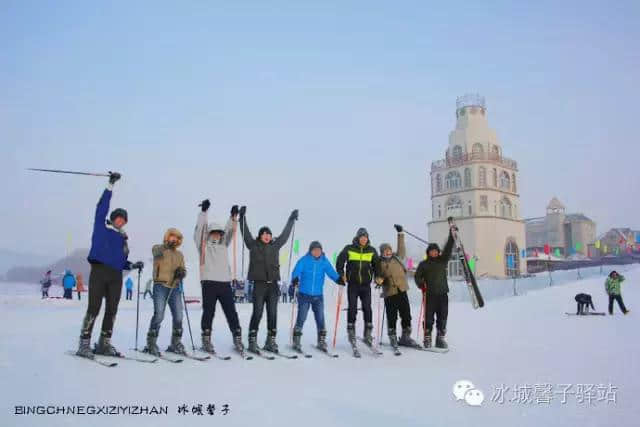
212 292
355 291
617 298
104 283
265 293
438 308
398 304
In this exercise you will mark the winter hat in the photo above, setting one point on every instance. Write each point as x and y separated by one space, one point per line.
362 232
433 246
613 273
264 230
384 247
315 245
119 212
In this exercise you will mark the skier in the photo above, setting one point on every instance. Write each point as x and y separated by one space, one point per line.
129 286
291 292
68 283
392 275
612 286
264 272
168 272
46 284
213 241
147 289
108 257
308 276
360 259
431 278
584 302
79 284
284 291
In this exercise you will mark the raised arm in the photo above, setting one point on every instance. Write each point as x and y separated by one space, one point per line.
281 240
402 248
448 248
200 230
342 260
244 230
102 209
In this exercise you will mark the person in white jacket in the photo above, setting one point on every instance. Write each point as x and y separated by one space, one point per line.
212 241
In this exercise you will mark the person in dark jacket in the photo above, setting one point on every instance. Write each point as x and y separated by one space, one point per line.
431 278
108 258
361 260
584 301
46 284
264 272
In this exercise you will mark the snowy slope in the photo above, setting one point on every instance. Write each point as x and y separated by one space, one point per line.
525 340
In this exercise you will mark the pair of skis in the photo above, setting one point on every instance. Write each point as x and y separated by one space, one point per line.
472 285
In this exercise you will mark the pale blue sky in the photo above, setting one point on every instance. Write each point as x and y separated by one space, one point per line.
336 108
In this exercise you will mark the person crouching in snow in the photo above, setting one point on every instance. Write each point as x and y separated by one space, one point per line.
212 241
168 272
392 275
612 286
308 276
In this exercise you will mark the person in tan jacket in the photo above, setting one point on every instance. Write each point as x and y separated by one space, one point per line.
168 272
392 275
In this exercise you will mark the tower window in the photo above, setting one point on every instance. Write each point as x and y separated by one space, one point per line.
453 180
477 151
467 177
513 182
482 176
484 203
454 207
438 183
494 177
456 153
505 181
505 208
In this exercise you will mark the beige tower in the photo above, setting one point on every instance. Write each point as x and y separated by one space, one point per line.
477 185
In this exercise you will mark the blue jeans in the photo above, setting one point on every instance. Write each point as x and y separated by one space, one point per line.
317 305
161 296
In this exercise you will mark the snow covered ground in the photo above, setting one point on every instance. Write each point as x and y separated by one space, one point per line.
523 342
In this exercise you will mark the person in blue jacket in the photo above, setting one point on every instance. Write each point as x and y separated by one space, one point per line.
129 285
308 275
68 283
108 258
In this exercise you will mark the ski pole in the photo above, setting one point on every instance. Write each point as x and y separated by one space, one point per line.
382 327
379 331
69 172
424 315
420 239
335 328
424 296
138 309
293 303
186 312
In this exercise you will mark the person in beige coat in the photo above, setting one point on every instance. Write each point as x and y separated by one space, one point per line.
392 275
168 272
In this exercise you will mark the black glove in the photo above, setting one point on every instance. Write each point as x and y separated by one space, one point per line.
234 211
114 177
180 273
296 281
294 215
137 266
205 205
398 228
243 211
340 281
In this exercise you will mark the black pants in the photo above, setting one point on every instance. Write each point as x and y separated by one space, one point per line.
437 307
265 293
68 294
398 303
355 291
79 296
284 298
104 282
129 294
620 303
212 292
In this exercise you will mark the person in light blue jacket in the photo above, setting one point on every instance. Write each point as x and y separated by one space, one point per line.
308 276
68 282
129 285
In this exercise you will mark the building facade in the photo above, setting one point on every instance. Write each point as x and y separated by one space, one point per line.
569 234
478 186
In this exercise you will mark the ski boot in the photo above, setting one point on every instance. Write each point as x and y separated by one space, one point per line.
322 340
393 338
406 340
152 343
84 349
237 341
270 344
427 339
351 333
440 341
176 344
104 346
297 338
253 342
207 346
368 338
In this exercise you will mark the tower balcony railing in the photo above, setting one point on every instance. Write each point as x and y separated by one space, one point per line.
467 158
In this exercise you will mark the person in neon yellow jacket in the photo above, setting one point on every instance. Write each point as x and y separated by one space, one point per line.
612 286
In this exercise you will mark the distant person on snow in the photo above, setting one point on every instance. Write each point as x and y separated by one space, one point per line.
46 282
108 258
129 286
79 284
308 276
264 272
584 301
147 289
212 242
68 283
168 273
612 286
291 293
392 275
431 278
284 291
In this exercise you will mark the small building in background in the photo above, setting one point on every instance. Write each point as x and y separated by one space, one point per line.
616 241
566 234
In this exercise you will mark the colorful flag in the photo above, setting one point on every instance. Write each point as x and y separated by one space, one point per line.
597 245
472 264
524 253
510 262
557 252
335 257
578 246
605 249
410 264
547 249
296 247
